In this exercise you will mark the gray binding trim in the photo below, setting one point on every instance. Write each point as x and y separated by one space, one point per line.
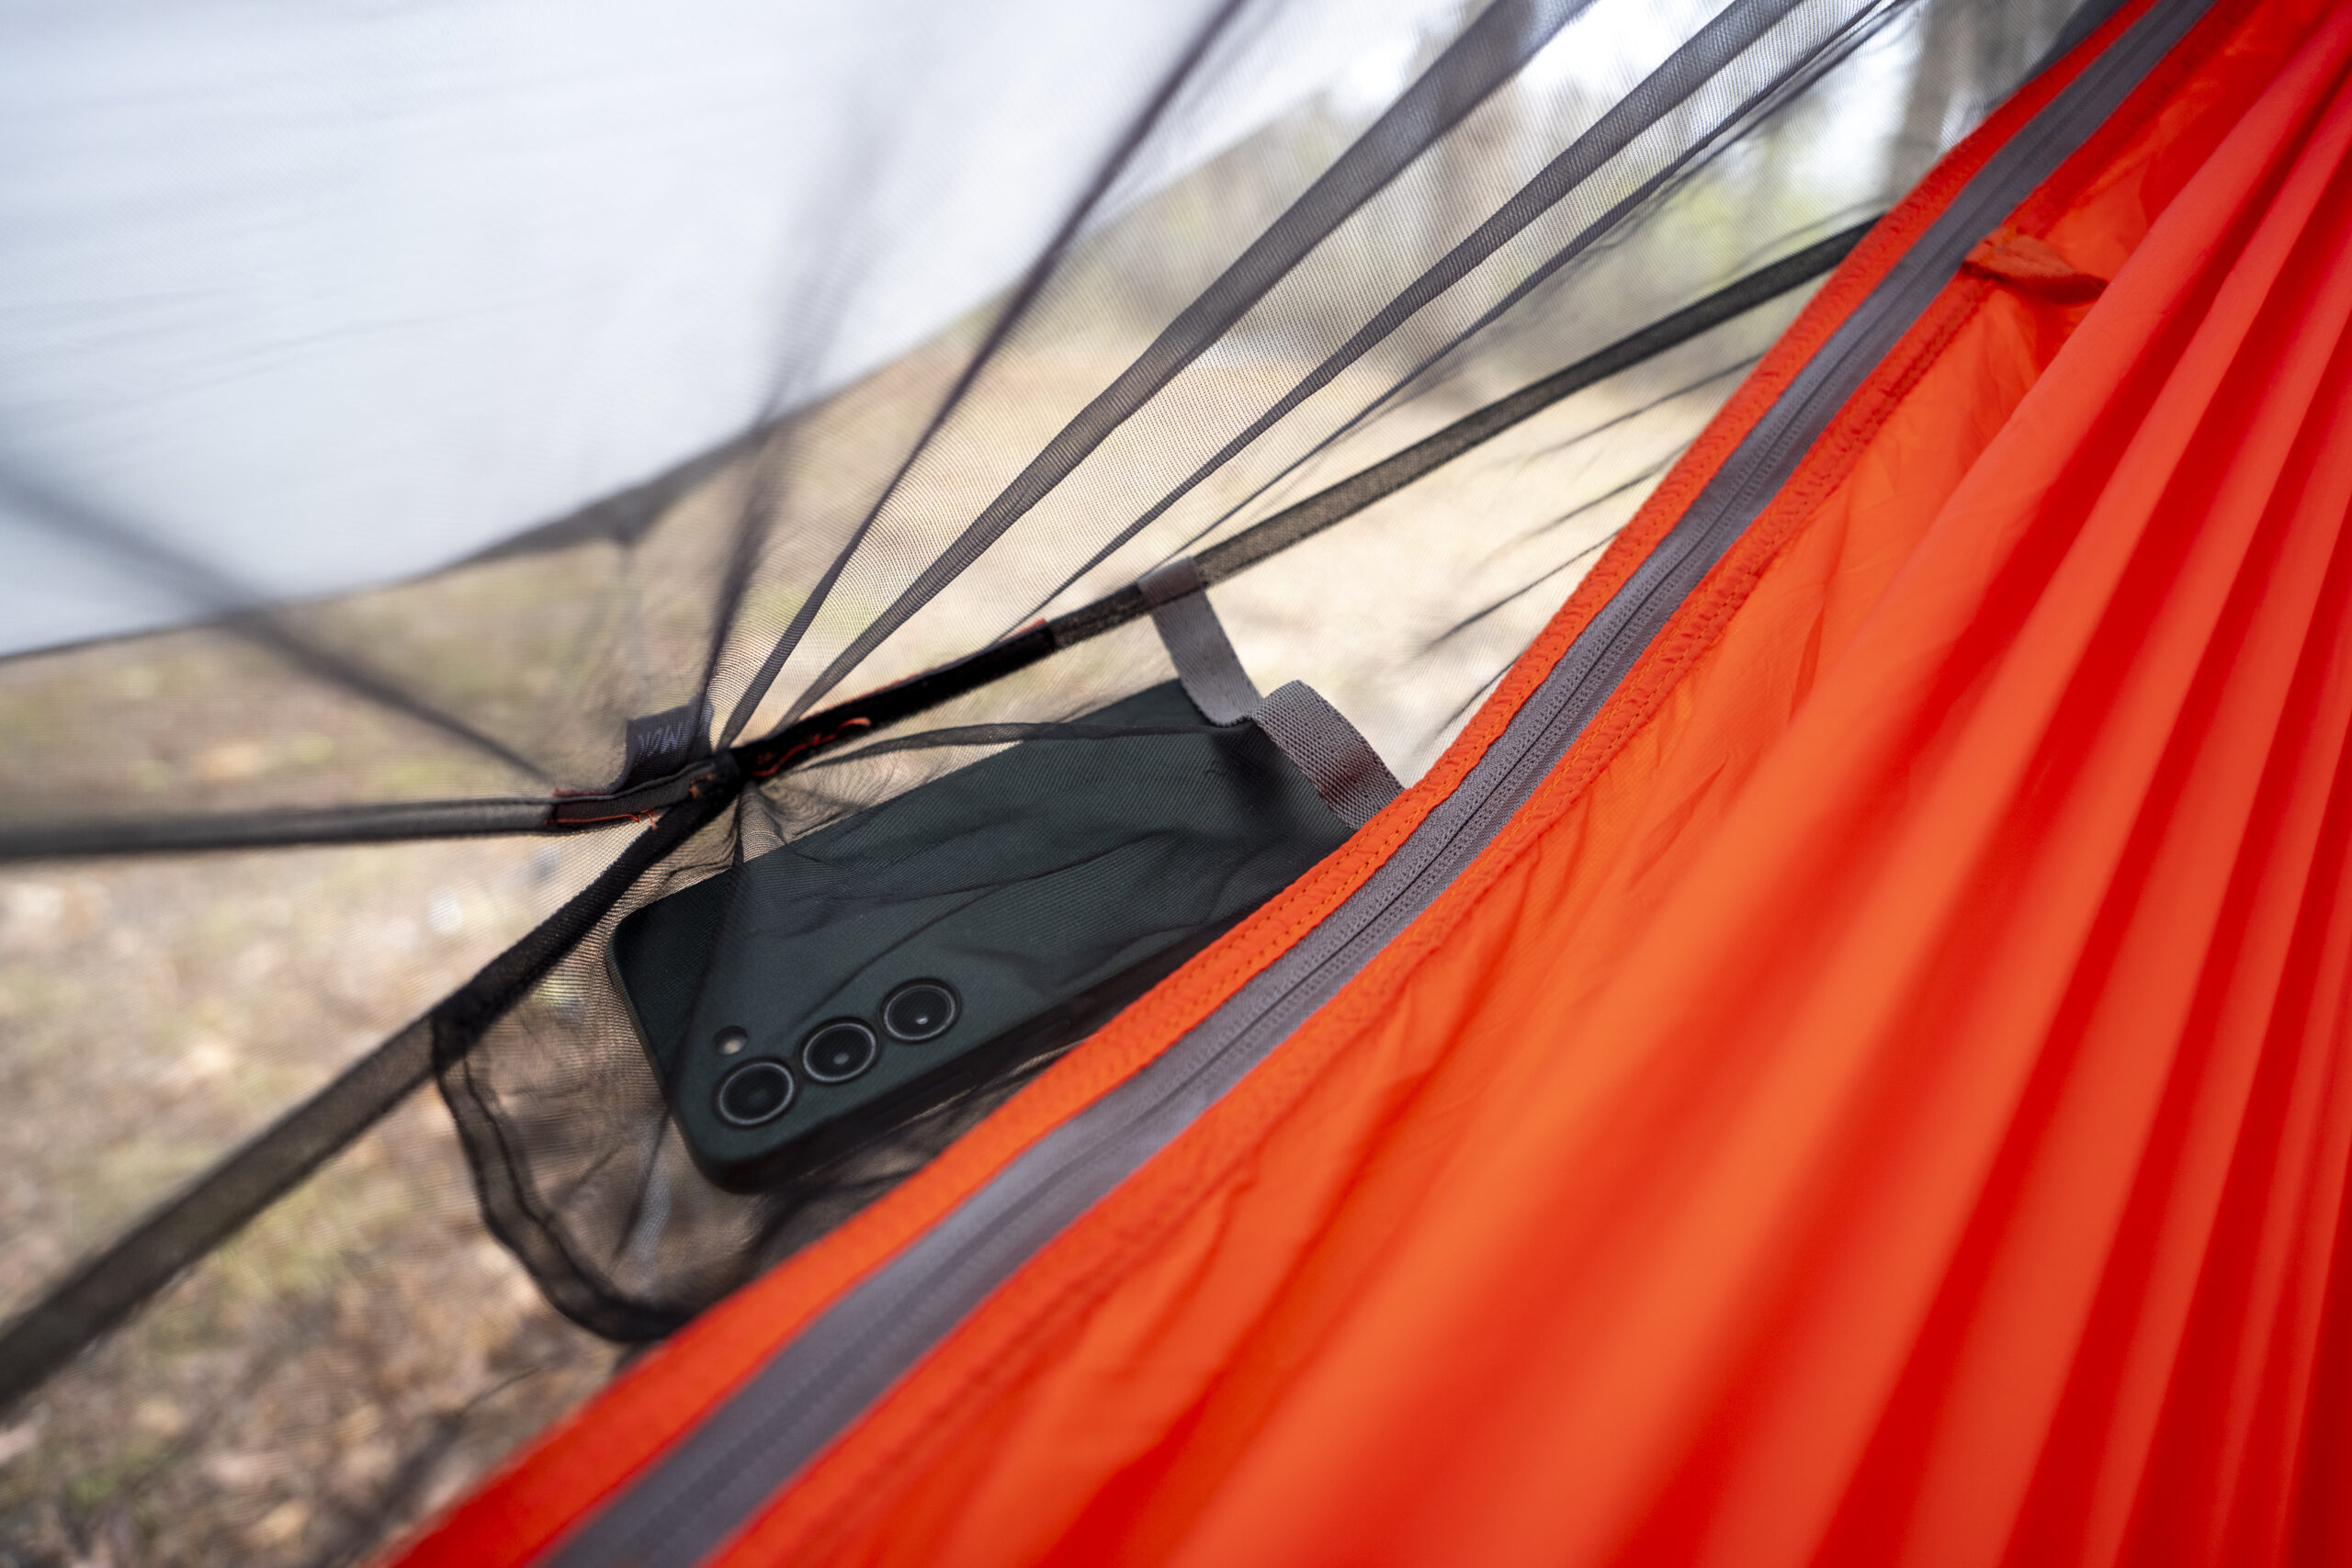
1197 642
694 1497
1333 754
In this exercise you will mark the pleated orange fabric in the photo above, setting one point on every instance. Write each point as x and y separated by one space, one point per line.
1885 1099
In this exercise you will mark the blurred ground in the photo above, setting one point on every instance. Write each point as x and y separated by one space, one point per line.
362 1350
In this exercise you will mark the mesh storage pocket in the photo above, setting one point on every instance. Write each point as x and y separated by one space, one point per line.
764 1038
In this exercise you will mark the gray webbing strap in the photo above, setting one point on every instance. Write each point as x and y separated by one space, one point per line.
1203 655
1333 754
1337 760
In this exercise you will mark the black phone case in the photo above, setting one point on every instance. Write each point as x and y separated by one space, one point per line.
1041 888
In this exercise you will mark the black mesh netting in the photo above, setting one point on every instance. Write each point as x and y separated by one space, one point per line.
1388 331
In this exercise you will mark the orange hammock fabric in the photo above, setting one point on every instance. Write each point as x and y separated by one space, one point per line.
1884 1098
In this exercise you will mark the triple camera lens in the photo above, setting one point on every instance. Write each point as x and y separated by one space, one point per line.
759 1091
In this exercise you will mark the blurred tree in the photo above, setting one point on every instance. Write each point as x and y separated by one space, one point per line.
1972 53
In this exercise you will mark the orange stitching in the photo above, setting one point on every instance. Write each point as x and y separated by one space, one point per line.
844 727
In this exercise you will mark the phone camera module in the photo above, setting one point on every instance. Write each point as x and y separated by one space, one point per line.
920 1010
838 1051
754 1094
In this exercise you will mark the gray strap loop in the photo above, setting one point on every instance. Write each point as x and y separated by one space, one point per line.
1333 754
1337 760
1195 639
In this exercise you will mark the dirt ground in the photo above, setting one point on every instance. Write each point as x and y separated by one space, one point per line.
365 1348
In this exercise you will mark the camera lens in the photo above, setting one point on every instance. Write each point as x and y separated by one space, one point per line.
753 1094
838 1051
919 1010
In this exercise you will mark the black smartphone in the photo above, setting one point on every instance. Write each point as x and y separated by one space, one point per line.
799 1004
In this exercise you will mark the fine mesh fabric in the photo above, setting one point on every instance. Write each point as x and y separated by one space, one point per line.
1293 256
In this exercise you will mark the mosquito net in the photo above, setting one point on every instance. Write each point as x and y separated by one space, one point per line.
560 557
